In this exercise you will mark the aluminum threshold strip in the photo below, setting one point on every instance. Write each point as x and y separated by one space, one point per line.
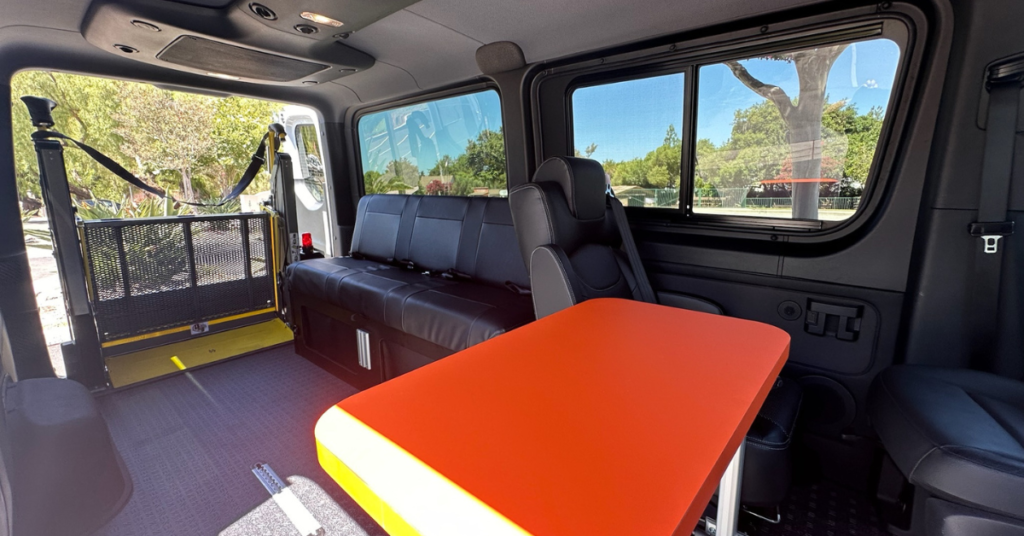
297 513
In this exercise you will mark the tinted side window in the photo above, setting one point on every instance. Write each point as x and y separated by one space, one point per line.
794 134
634 129
452 146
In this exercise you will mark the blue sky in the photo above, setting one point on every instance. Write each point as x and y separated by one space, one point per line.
628 119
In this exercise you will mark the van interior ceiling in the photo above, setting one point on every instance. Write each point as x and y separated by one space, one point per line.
445 267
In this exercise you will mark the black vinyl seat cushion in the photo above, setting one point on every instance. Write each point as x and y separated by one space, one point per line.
957 433
460 315
454 314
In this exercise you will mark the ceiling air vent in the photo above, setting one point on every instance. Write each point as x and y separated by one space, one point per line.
214 56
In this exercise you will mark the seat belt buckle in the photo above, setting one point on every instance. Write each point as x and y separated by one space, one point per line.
990 233
991 243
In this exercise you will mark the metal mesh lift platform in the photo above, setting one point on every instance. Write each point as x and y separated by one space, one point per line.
194 288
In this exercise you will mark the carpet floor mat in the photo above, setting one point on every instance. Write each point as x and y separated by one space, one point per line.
823 509
190 441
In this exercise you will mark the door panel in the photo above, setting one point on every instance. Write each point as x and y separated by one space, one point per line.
836 373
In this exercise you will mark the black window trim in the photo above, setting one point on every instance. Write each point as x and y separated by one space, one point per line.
452 92
899 23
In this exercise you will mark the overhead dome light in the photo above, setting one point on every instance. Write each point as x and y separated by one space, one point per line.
321 19
224 76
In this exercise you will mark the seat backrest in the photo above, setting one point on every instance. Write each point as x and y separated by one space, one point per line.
470 236
60 472
568 237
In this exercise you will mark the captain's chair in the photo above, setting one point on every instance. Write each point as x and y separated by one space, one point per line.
571 245
568 238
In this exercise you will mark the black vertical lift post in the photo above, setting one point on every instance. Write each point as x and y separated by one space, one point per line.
282 201
282 187
82 357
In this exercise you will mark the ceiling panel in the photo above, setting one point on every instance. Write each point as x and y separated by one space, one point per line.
59 14
432 54
432 43
548 29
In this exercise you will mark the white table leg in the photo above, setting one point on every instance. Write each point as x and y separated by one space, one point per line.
729 495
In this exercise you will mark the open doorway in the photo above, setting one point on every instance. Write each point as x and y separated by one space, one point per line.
191 147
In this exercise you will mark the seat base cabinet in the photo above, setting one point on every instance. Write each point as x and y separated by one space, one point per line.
329 336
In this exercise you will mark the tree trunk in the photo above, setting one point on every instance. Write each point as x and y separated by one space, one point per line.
803 119
78 191
805 153
804 125
186 186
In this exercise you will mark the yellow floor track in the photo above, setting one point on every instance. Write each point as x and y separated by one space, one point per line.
154 362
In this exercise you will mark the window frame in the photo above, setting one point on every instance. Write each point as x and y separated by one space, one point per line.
300 150
359 182
899 24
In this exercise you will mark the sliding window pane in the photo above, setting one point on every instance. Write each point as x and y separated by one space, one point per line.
633 128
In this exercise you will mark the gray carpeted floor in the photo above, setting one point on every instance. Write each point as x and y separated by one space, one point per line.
824 509
189 442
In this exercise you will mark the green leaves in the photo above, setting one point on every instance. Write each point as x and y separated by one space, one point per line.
193 146
658 169
758 149
480 165
376 182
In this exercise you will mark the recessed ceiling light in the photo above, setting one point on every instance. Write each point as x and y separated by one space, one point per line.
321 19
224 76
145 25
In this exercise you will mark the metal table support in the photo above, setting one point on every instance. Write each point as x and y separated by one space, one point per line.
728 514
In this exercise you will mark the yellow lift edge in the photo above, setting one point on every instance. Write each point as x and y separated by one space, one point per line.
155 362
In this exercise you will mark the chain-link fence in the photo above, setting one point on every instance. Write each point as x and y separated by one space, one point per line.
729 198
151 274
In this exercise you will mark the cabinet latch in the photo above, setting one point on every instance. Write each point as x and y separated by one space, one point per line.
840 321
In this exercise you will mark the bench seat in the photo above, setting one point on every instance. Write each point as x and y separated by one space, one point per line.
442 270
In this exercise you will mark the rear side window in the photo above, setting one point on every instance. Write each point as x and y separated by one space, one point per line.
790 134
452 146
310 161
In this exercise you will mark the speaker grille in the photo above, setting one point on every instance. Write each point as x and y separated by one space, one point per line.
217 57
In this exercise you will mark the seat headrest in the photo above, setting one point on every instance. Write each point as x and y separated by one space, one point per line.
583 182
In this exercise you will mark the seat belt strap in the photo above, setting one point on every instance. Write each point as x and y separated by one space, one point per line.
642 283
1004 87
117 169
